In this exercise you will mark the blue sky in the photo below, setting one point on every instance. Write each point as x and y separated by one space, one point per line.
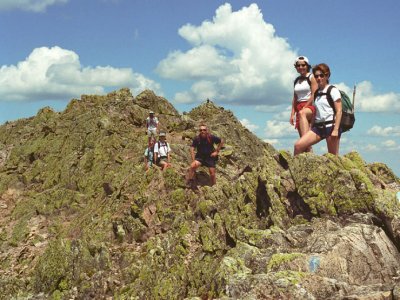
239 54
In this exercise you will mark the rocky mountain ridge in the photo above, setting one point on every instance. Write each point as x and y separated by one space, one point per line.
81 219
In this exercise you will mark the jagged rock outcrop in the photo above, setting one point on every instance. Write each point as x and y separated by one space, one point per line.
79 217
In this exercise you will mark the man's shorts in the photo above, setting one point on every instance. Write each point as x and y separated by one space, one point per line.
207 161
324 132
152 132
161 159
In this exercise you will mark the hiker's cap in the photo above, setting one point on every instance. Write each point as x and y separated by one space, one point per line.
303 58
162 134
151 112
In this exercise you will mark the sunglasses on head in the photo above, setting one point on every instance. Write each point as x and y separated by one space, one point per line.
319 75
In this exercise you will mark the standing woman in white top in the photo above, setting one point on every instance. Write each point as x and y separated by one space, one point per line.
327 122
305 86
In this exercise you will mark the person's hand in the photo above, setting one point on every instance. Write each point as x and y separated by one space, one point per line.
291 120
214 154
335 133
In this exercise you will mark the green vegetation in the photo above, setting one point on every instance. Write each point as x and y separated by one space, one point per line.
81 218
279 259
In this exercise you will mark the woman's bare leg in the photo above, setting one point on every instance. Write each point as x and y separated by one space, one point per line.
308 139
332 143
305 116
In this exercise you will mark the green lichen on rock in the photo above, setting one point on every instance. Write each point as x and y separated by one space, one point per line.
279 259
173 180
20 232
291 277
83 219
255 237
231 267
211 234
54 267
384 173
206 207
332 185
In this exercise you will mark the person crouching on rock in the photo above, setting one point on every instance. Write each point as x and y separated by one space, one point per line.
162 152
205 155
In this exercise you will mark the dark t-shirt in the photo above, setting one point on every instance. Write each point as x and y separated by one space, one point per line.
203 146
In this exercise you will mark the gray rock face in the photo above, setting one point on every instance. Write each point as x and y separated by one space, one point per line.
322 260
80 218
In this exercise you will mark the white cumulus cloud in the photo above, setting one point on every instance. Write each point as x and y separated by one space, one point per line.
56 73
236 57
367 100
270 108
279 129
284 114
246 123
384 131
389 143
371 148
29 5
274 142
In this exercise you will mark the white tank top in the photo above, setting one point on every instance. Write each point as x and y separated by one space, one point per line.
302 89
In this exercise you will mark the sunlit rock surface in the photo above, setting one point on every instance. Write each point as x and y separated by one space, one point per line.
80 218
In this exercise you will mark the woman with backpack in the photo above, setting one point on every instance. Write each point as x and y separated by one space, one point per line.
327 119
305 86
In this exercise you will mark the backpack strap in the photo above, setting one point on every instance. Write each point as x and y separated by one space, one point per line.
301 77
329 98
165 146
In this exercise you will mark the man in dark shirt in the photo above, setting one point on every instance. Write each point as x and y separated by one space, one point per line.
206 155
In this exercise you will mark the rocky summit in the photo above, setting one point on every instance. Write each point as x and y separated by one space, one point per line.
81 219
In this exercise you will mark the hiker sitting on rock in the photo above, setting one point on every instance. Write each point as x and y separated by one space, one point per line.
305 86
149 154
206 155
152 125
162 152
327 120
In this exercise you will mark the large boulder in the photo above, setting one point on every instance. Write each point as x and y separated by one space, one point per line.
80 218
